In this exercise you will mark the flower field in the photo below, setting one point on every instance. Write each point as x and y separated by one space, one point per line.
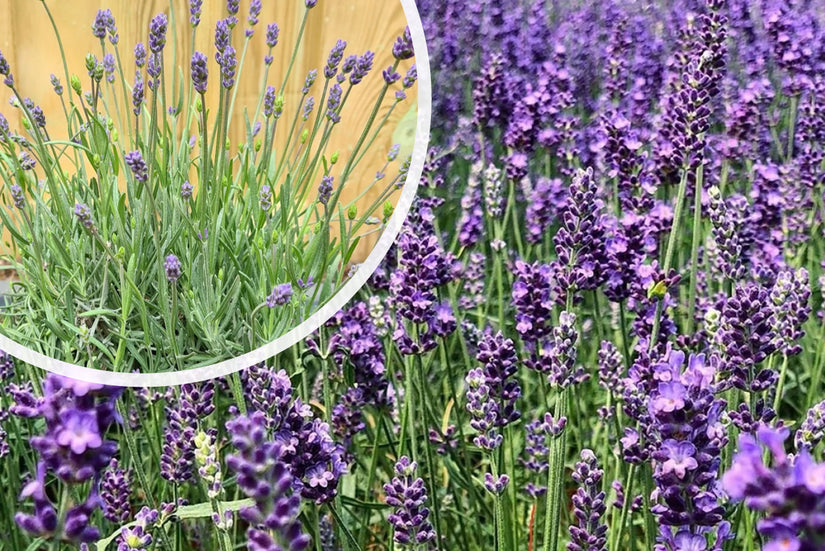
600 328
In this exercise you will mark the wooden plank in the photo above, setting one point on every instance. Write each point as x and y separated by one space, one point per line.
27 39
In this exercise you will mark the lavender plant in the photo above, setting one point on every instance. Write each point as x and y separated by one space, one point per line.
601 328
138 226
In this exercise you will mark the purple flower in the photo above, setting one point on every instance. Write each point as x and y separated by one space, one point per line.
269 101
579 243
539 433
254 13
264 475
5 70
496 485
137 94
18 198
56 85
588 532
186 190
223 37
685 437
172 267
134 160
325 189
812 430
362 67
790 296
403 47
790 492
671 397
200 72
139 535
104 24
195 7
140 55
407 496
679 458
280 296
157 33
272 32
115 491
84 215
265 197
410 77
35 112
6 365
73 447
336 54
100 23
533 301
309 81
334 103
78 431
309 106
228 61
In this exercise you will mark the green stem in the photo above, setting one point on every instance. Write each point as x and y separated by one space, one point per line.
555 481
694 249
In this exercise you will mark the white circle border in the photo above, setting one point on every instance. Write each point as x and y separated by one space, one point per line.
319 317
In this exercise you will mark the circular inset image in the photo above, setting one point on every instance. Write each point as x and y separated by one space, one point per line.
190 188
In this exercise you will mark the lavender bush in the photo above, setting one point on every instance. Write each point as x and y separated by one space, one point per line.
137 226
601 327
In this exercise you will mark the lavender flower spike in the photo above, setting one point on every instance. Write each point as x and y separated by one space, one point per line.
589 532
408 496
134 160
172 267
195 7
157 33
200 72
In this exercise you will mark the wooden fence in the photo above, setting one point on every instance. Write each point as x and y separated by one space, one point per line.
28 42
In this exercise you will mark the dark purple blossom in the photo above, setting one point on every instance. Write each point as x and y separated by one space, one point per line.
589 532
115 492
408 496
264 474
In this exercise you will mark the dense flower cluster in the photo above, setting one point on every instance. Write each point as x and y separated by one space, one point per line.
407 495
789 490
589 532
314 459
74 447
265 476
492 393
688 437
